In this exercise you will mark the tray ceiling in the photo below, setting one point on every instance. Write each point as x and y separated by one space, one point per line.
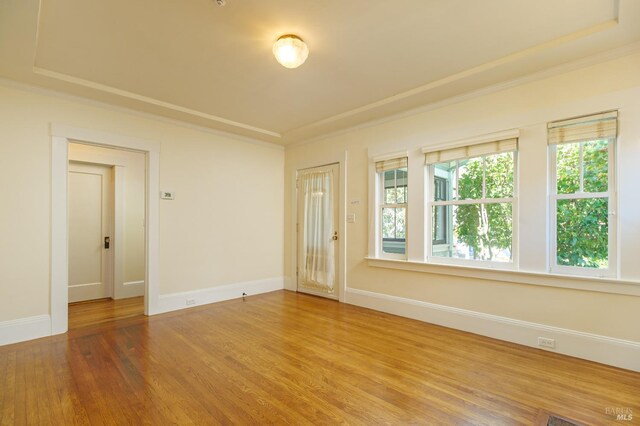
198 62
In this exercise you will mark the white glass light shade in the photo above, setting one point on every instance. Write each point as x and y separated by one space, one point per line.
290 51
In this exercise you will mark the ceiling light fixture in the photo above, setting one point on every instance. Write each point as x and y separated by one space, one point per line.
290 51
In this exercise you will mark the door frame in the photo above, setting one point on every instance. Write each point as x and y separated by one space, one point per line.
341 160
61 136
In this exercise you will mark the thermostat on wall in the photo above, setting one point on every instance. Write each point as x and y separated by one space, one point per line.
167 195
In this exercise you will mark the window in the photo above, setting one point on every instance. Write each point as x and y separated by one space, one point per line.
582 196
392 175
471 202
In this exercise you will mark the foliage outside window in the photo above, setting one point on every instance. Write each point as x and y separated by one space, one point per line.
582 204
582 194
473 218
392 175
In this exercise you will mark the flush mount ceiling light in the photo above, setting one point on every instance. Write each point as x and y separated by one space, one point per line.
290 51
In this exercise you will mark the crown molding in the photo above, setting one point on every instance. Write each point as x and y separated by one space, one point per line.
135 112
146 99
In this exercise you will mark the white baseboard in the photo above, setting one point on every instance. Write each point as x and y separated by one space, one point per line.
22 329
175 301
290 284
598 348
130 289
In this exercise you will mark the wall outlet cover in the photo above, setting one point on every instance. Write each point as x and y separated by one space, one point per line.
546 343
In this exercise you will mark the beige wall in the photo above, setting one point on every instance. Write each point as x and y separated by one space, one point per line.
615 84
225 225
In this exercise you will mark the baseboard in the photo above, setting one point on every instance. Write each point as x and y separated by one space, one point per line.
22 329
189 299
593 347
290 284
130 289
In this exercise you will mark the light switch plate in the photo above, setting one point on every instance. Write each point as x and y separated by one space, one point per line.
351 218
167 195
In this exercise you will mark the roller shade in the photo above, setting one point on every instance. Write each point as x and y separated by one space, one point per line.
458 153
394 163
597 126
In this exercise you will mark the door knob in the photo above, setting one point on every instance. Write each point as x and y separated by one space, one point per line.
335 236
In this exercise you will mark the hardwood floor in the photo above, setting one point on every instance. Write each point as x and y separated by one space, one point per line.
291 358
82 314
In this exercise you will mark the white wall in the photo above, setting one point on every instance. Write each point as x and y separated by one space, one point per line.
224 226
611 85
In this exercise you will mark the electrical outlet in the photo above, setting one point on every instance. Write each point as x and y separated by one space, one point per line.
191 302
546 343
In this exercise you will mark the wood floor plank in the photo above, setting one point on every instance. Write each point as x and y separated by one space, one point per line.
8 382
93 312
287 358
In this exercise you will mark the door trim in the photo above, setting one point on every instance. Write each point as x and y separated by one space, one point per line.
61 135
341 159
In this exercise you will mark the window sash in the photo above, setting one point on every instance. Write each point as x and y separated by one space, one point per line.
431 203
381 230
512 264
580 195
456 176
472 201
383 205
610 195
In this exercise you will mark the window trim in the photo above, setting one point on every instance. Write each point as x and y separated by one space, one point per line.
554 268
380 205
429 204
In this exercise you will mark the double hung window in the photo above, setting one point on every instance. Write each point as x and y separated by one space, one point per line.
470 208
582 194
392 184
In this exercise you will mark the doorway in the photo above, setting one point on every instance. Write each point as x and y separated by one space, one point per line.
61 138
106 233
318 231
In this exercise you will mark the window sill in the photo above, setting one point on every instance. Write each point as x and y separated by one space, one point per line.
601 285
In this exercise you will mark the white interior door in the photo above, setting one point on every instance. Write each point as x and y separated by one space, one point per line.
90 213
317 228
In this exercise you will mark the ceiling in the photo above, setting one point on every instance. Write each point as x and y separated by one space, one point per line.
195 61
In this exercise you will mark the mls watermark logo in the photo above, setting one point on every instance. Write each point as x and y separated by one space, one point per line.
620 413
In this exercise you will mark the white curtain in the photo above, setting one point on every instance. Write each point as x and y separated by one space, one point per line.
318 268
